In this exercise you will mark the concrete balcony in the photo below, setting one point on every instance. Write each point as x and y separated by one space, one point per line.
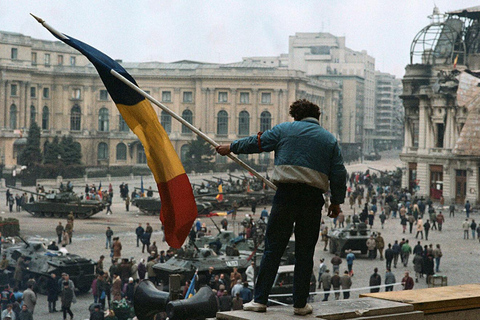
440 151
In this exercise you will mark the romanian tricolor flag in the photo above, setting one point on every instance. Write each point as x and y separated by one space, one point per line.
179 209
455 62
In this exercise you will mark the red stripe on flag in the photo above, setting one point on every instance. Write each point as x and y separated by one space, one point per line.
178 210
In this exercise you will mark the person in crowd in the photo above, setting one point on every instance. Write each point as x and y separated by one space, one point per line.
389 280
326 280
67 300
375 280
407 281
108 236
139 232
52 293
346 284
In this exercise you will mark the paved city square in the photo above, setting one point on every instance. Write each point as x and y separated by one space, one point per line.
459 261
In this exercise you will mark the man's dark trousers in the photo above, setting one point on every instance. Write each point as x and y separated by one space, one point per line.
293 203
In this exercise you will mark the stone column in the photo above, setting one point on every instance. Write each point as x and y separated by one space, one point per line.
233 114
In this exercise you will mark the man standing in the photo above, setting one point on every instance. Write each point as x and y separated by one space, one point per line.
407 282
467 208
321 270
307 161
139 232
336 262
346 284
375 280
389 255
452 210
108 236
30 298
473 227
406 251
389 280
466 227
59 229
380 243
397 249
440 220
69 231
426 227
350 257
326 280
437 254
372 247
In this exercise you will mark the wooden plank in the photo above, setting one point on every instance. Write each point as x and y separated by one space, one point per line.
435 300
329 310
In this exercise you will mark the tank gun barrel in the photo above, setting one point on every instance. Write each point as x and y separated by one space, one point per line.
26 242
219 230
210 181
238 177
27 191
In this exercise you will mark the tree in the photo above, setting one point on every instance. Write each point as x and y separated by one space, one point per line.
71 151
199 156
53 152
32 154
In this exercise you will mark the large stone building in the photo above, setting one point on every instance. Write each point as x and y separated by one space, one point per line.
54 85
389 112
325 56
441 97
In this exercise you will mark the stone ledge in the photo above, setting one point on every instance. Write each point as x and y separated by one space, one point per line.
365 308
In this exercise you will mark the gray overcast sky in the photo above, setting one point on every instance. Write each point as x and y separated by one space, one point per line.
225 31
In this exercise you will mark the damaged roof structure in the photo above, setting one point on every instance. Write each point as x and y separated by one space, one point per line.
441 97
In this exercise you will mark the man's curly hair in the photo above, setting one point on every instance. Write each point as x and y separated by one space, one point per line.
303 108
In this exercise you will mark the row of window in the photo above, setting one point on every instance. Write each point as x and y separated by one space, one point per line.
222 122
266 97
165 120
46 58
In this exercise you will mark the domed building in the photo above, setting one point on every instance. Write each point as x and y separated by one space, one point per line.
441 97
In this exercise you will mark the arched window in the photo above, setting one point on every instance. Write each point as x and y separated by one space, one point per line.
121 151
103 120
75 118
13 116
243 123
141 156
45 118
265 121
122 125
222 122
33 114
188 116
166 121
183 152
102 151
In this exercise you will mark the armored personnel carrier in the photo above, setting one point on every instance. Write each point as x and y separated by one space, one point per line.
60 204
353 237
185 262
43 262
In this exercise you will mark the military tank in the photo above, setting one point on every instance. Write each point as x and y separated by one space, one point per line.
152 206
60 204
353 237
43 262
187 261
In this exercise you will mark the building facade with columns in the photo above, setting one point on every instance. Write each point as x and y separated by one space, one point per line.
441 152
54 85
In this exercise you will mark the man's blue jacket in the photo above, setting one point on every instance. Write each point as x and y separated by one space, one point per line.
304 153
